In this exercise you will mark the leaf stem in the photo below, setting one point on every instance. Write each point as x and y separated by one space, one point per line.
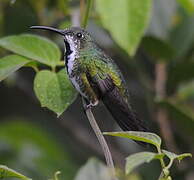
86 16
170 164
162 174
53 68
161 159
61 63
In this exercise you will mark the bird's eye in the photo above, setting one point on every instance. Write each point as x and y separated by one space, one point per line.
79 35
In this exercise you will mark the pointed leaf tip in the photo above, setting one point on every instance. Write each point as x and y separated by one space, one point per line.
54 90
6 172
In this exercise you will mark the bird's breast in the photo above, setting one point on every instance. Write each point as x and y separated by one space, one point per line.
71 62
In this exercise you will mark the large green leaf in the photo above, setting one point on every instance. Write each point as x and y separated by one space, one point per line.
54 90
126 20
161 20
29 149
93 170
186 91
182 36
33 47
6 172
10 64
138 136
137 159
187 4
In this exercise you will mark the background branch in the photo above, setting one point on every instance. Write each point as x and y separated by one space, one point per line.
161 114
86 14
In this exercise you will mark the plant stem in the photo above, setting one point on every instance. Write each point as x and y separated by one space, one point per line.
162 174
53 69
61 63
161 114
161 159
170 164
82 8
102 142
86 16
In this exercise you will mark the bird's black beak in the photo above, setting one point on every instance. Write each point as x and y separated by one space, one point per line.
59 31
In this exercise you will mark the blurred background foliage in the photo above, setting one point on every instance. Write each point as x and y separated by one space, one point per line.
159 76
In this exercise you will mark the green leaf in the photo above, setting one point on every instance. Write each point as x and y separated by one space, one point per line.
10 64
184 155
54 90
186 91
138 136
188 5
33 47
93 170
182 36
137 159
6 172
165 178
38 5
157 48
126 20
173 156
161 19
35 151
134 176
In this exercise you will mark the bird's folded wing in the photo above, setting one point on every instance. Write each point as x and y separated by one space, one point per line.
112 93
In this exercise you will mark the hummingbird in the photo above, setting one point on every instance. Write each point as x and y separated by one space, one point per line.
96 76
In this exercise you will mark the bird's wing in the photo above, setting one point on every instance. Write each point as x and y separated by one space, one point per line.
106 77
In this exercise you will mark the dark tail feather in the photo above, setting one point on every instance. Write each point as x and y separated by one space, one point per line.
122 113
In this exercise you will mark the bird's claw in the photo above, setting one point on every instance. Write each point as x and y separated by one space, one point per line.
89 106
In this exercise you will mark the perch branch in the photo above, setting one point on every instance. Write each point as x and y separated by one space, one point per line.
101 140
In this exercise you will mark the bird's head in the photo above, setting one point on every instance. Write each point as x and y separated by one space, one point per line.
75 38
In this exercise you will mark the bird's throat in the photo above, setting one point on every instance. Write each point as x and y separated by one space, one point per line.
68 49
70 55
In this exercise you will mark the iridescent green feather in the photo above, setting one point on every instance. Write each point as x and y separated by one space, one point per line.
100 67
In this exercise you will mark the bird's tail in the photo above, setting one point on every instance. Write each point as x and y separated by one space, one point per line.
122 113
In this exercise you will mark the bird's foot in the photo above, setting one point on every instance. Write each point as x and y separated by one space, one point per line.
89 106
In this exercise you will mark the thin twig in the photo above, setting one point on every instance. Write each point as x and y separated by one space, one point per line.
86 15
102 142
